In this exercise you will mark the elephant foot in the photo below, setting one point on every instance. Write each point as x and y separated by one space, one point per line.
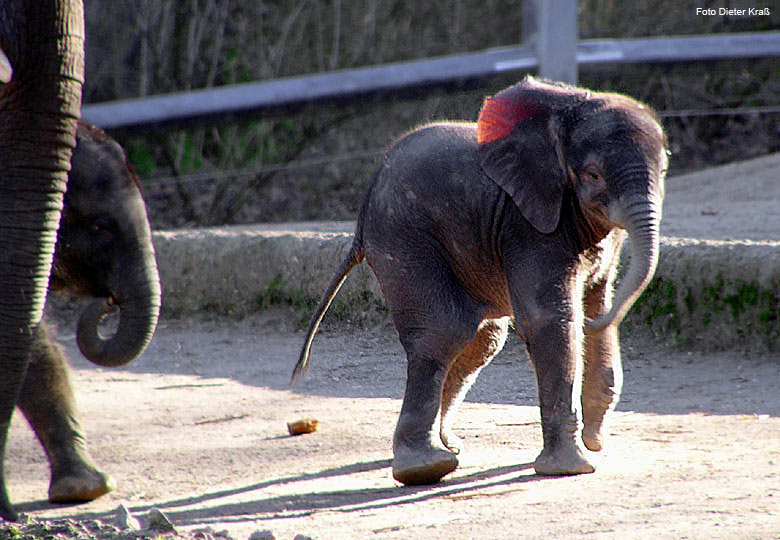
7 511
80 487
453 443
593 439
565 460
423 467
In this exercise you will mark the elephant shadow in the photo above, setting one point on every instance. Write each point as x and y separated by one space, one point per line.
206 508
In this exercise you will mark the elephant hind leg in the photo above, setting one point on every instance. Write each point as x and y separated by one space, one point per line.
435 320
488 342
48 403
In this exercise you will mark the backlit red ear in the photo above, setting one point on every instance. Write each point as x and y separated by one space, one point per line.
500 115
517 150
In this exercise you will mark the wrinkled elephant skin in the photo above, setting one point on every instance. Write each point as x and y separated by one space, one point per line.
40 100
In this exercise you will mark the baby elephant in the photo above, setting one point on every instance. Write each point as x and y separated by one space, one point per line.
104 250
519 217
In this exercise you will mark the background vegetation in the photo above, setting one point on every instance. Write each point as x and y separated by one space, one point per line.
313 164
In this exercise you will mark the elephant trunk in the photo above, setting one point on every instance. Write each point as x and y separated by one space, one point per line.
138 301
642 220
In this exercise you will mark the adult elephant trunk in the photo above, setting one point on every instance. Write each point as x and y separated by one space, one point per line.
642 220
137 296
42 41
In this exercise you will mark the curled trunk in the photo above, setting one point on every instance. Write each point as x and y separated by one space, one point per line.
138 302
642 222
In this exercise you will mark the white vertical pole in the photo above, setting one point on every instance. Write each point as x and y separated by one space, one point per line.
551 27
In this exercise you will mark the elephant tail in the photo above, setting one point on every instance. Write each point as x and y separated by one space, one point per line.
353 258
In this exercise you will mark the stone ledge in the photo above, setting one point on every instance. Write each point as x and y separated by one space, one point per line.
239 270
706 294
713 295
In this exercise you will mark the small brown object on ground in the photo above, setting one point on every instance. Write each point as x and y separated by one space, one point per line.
305 425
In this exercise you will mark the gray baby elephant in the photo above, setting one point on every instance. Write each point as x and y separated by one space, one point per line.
519 217
104 250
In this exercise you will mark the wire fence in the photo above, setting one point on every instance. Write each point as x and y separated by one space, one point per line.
736 111
254 171
249 172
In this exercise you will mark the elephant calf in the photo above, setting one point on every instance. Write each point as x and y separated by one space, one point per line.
104 250
519 217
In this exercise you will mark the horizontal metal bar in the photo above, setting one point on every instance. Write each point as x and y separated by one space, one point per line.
290 92
680 49
407 78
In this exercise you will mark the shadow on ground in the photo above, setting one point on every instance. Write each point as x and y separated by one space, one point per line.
206 508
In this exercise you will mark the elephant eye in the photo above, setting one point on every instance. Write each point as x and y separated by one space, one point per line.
592 175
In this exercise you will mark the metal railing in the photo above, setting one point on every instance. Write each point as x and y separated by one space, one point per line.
227 103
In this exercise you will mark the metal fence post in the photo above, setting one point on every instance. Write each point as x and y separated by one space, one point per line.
550 26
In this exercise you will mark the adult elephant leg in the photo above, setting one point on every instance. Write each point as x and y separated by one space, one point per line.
603 379
488 342
39 107
48 403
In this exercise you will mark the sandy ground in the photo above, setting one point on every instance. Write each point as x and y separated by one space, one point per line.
197 427
740 201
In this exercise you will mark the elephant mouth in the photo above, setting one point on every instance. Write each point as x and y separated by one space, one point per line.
69 275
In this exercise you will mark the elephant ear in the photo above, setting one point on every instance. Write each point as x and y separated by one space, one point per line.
519 150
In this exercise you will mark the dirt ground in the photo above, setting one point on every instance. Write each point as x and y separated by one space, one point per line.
197 428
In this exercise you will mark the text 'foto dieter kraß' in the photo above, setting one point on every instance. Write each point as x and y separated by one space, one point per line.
734 12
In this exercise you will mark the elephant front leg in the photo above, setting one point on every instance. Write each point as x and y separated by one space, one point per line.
556 359
419 457
48 403
603 380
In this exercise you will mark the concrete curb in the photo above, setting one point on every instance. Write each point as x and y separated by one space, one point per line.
706 294
713 295
240 270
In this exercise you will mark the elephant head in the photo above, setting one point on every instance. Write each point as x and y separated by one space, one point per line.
104 250
541 142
